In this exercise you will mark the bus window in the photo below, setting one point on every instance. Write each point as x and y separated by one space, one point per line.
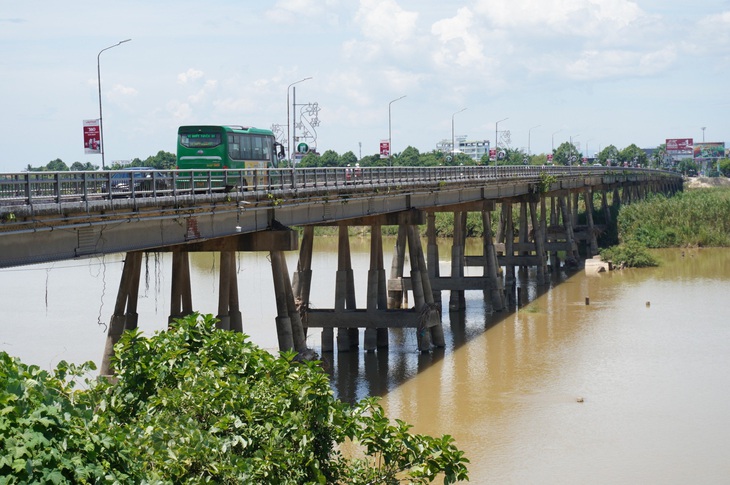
200 140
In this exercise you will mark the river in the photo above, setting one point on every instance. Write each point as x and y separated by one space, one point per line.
629 388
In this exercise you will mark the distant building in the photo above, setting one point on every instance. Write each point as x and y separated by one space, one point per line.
474 149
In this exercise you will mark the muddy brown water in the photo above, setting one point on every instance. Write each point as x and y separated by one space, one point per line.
632 388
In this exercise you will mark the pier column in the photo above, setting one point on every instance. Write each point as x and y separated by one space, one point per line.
395 297
524 231
422 298
539 241
302 279
496 290
125 309
571 248
457 301
283 321
593 242
345 290
181 301
432 259
377 290
554 224
509 251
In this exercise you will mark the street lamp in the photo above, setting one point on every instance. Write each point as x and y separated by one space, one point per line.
528 138
390 141
453 139
496 143
570 158
288 120
98 74
553 139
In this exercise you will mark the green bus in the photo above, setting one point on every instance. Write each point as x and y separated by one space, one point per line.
210 147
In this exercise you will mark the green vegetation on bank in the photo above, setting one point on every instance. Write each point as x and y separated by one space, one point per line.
696 217
199 405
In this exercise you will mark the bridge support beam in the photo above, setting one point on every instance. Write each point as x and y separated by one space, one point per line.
347 338
289 328
457 301
125 310
181 300
491 266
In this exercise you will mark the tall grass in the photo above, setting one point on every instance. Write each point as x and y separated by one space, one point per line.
698 217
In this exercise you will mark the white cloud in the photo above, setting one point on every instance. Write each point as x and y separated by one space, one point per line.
189 75
302 12
459 41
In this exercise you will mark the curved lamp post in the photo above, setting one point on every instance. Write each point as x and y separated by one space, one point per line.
390 141
528 138
453 139
98 74
496 142
552 139
288 120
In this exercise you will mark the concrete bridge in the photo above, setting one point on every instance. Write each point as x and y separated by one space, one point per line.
48 217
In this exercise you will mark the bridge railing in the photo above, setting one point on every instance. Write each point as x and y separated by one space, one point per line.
29 188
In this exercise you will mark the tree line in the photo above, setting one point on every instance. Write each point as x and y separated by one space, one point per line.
565 154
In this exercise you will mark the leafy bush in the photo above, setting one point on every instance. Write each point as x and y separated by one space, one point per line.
631 254
197 404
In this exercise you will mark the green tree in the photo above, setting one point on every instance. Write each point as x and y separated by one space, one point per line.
566 154
348 158
724 165
687 166
633 156
57 165
81 167
410 157
609 156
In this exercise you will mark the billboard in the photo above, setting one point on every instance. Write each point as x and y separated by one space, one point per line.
92 137
384 148
707 151
677 146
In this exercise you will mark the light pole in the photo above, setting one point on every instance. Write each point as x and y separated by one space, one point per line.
528 138
552 138
496 142
572 147
453 139
703 133
288 120
98 75
390 140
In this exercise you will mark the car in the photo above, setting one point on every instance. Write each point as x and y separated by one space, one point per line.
597 165
136 179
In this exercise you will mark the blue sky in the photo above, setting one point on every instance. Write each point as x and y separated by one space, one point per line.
598 71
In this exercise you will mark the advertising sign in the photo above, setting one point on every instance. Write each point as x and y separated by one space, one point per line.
92 138
676 146
705 151
384 148
492 153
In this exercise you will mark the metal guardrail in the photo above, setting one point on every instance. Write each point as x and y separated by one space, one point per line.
29 188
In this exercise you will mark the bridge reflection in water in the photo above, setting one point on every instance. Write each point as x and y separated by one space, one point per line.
545 219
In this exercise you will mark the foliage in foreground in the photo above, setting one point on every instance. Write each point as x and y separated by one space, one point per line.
196 404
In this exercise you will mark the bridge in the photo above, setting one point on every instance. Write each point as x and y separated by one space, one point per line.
52 216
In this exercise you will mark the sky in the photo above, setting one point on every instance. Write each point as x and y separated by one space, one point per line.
540 72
